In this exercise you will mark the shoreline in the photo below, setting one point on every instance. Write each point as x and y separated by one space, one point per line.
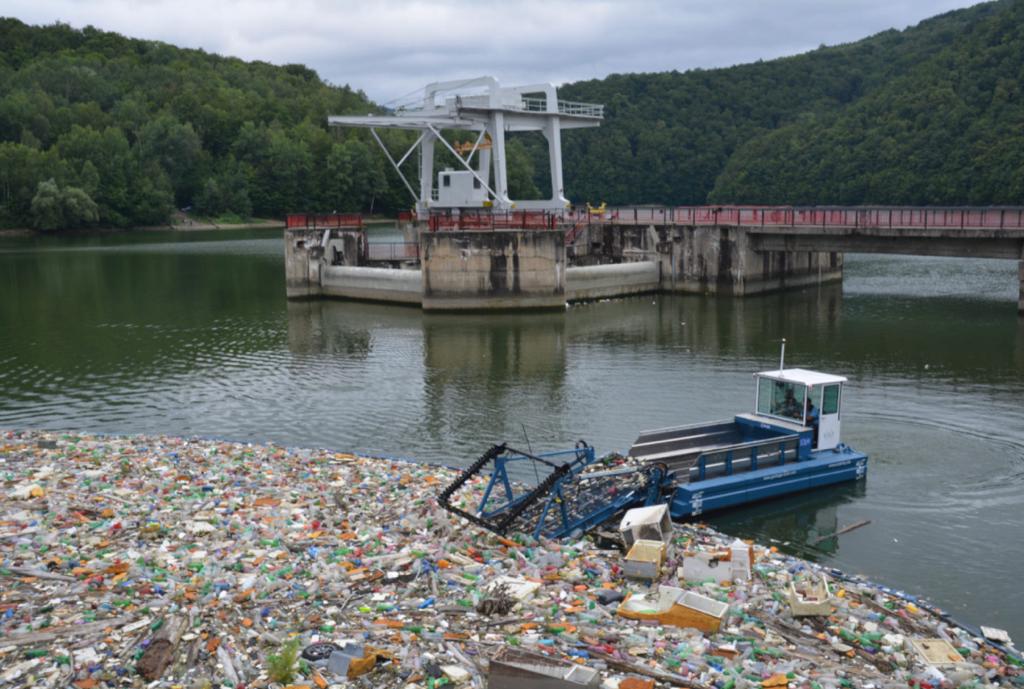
120 537
179 226
170 227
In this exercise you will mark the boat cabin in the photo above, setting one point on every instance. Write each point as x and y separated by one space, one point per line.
807 398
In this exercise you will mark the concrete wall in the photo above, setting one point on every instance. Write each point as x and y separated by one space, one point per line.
721 260
302 254
373 284
493 269
613 280
344 248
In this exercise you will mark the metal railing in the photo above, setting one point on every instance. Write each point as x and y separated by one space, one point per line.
745 457
476 220
565 107
393 251
324 220
994 218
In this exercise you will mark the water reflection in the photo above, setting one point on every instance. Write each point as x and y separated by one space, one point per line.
318 327
804 524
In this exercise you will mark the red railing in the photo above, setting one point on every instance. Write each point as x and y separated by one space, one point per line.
315 221
820 216
518 220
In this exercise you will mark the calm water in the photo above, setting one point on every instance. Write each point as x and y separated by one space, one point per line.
191 335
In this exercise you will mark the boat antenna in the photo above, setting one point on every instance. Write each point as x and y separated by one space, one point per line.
782 355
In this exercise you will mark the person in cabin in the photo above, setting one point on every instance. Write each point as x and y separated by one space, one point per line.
812 421
790 407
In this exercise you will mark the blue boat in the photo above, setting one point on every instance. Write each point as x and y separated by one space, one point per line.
789 443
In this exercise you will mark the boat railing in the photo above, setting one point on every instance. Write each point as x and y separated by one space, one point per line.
748 456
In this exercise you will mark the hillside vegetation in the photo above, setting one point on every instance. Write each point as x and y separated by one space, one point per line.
96 128
930 115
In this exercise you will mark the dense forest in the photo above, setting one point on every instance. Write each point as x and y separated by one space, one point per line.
97 129
930 115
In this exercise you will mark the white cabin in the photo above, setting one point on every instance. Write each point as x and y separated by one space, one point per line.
807 398
459 189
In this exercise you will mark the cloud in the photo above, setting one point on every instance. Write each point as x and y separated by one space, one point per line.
390 48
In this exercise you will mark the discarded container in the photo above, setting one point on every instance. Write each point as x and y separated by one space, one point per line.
705 566
646 523
517 669
678 608
937 652
644 560
810 597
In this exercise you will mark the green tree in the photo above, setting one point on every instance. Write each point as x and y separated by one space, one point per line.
55 208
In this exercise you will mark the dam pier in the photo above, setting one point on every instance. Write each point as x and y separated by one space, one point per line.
486 260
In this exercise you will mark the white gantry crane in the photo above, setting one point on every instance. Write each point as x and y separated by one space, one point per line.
480 105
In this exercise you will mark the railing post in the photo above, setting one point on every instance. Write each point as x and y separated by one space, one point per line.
753 459
728 463
1002 217
702 469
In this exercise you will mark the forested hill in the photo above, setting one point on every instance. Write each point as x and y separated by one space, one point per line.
96 128
99 129
930 115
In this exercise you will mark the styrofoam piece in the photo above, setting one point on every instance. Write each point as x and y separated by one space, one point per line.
644 560
646 523
518 588
676 607
811 598
938 652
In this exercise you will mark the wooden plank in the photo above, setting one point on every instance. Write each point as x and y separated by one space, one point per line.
68 630
162 649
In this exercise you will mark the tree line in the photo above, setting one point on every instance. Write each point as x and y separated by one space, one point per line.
930 115
100 129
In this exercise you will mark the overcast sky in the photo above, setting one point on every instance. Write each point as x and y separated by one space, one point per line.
389 48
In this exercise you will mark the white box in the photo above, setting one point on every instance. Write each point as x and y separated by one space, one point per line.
646 524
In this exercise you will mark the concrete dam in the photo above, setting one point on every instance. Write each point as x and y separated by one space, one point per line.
529 260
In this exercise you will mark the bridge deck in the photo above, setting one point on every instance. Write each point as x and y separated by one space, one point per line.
821 217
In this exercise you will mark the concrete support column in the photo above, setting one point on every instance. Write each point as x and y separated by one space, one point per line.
553 133
1020 276
426 172
498 155
483 167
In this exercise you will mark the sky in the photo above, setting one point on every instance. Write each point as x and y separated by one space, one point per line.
391 48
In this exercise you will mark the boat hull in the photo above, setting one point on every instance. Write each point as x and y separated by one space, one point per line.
820 469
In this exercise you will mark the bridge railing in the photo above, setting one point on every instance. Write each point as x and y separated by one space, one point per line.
324 220
475 220
820 216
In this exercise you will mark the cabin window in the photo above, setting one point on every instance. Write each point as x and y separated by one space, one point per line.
476 183
831 403
814 395
446 180
781 398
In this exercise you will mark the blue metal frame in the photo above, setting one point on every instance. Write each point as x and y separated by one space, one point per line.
557 518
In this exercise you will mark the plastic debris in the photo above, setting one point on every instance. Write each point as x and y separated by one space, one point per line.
164 562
